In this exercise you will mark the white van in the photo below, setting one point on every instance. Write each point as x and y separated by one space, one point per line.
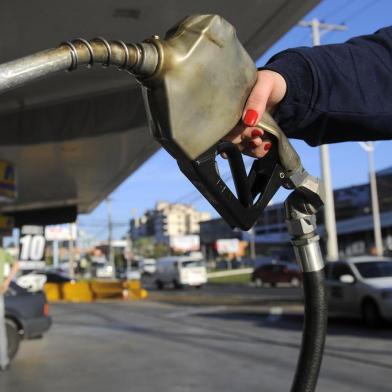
180 271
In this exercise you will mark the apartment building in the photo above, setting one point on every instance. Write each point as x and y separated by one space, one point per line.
168 220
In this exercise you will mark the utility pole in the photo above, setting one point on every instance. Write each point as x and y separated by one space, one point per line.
110 236
71 251
369 148
55 253
329 206
252 244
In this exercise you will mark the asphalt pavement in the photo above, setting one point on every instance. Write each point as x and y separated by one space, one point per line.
227 294
186 347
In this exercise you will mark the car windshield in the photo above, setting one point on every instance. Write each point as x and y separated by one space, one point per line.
375 269
192 263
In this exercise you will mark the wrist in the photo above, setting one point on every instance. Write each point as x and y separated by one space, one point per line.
279 91
296 70
275 84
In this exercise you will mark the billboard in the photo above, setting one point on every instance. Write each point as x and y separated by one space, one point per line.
228 246
184 243
61 232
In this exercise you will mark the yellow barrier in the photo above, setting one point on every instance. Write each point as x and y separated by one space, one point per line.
136 290
140 294
77 292
133 285
53 291
85 291
108 289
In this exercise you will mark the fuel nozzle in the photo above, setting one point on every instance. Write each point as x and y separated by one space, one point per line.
200 86
195 80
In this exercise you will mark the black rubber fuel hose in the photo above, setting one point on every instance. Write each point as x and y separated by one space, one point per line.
314 332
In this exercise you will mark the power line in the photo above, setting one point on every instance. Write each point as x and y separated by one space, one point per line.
338 8
123 224
361 10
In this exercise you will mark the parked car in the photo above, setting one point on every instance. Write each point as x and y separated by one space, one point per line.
361 287
277 273
103 270
53 276
27 316
34 281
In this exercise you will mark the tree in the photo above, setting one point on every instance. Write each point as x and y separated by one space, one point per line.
148 247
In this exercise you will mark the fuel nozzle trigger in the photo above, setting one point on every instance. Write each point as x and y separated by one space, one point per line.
254 190
280 167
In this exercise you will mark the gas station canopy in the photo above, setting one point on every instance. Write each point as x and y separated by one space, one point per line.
74 137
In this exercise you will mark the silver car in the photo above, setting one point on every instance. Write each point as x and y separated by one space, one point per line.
361 287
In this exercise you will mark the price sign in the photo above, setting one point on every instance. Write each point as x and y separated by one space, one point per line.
32 247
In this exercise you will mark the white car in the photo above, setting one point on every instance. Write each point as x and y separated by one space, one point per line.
32 282
103 271
360 287
148 266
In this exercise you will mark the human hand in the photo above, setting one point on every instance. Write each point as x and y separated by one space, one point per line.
4 287
267 93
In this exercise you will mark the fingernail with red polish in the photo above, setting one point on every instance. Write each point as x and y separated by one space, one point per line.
267 146
250 117
257 133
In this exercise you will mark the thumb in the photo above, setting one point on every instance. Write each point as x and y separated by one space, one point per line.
257 101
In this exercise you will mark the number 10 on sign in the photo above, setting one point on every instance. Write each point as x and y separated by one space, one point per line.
32 247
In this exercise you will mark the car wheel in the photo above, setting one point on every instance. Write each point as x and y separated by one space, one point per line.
177 285
199 286
370 313
273 284
294 282
13 338
159 285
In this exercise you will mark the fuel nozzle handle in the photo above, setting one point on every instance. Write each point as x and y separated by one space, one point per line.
288 157
293 175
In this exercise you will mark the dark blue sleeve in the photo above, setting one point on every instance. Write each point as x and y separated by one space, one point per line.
339 92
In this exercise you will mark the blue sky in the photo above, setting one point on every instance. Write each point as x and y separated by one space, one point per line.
160 179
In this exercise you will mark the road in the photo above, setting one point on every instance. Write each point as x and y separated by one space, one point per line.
215 294
179 347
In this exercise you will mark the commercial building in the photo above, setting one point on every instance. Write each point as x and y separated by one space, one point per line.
214 230
354 220
166 221
353 216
